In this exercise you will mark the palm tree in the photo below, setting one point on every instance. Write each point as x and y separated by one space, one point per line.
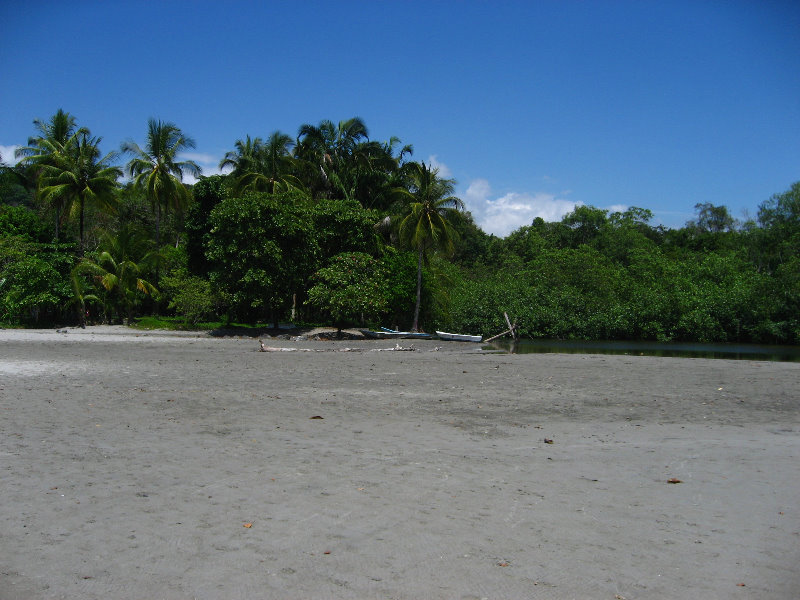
76 177
329 150
263 166
376 175
117 271
54 137
156 168
245 158
60 128
425 227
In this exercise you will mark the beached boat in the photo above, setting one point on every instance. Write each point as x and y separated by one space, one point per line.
378 335
409 334
385 334
458 337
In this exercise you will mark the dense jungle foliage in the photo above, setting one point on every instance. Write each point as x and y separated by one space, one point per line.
333 228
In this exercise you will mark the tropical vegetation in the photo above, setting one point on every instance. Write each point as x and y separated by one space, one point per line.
333 227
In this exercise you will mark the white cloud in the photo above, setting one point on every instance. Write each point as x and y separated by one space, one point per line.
199 157
620 208
7 154
511 211
444 170
207 162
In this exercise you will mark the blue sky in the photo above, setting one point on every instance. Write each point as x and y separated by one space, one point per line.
532 107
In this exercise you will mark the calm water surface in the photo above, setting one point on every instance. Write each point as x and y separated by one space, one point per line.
677 349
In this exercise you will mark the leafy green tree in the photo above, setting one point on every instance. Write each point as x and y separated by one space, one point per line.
714 230
156 168
33 283
16 186
634 216
189 295
351 288
624 236
712 219
782 210
26 286
262 249
21 221
343 226
525 243
586 222
470 240
775 248
784 302
477 304
426 226
133 208
400 274
118 270
208 192
779 218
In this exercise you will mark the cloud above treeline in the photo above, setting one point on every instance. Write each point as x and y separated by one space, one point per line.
7 154
503 214
435 163
208 163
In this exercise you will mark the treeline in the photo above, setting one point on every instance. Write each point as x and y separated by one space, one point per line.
332 227
596 275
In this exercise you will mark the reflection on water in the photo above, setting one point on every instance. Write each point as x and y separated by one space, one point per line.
676 349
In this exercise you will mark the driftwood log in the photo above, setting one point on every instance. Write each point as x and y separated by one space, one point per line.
512 329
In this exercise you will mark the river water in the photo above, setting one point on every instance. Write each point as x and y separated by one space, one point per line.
675 349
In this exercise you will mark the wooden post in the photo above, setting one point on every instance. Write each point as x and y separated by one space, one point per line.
511 328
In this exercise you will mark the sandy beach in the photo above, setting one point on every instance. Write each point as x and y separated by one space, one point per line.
149 465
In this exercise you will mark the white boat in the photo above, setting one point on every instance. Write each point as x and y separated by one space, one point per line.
407 334
386 334
459 337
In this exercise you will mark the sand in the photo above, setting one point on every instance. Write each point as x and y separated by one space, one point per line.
153 466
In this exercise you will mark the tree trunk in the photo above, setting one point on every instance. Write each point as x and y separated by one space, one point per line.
82 315
415 326
80 249
158 247
158 224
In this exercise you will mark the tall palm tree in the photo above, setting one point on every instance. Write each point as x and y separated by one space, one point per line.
263 166
157 170
55 137
76 177
425 226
